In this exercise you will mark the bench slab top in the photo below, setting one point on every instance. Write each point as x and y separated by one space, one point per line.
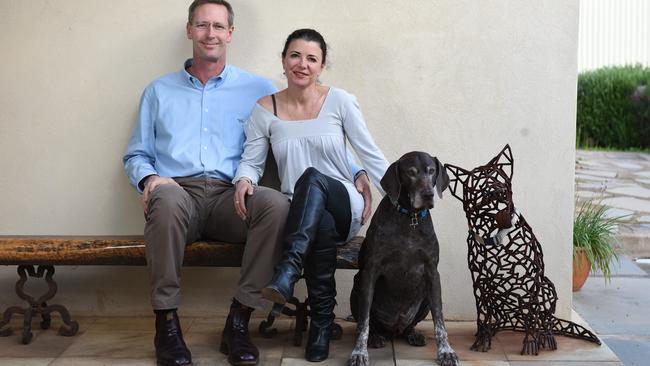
129 250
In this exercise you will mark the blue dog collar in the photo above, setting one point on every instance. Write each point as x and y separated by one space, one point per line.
414 215
422 214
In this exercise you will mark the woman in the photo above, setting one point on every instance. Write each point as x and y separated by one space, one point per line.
307 125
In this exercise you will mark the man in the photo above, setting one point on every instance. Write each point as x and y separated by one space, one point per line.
182 156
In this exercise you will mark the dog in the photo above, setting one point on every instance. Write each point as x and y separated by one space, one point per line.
398 281
506 261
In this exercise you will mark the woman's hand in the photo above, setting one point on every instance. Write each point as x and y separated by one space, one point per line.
243 188
362 183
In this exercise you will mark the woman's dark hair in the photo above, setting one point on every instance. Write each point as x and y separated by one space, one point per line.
308 35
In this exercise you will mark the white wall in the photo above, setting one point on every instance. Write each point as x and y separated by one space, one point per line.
613 32
459 79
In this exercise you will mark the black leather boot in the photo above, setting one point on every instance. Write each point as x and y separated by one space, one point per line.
305 213
235 339
170 346
321 288
318 342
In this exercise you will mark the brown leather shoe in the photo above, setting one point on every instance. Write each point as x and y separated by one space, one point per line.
170 346
235 340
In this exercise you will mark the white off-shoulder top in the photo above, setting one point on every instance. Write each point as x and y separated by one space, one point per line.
318 143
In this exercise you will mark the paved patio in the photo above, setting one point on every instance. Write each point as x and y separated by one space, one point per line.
618 310
129 341
620 180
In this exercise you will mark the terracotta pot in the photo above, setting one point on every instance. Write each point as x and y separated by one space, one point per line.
581 268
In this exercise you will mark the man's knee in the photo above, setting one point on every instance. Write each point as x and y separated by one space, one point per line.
269 200
268 205
168 200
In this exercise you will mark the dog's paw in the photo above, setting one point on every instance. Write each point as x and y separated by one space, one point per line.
547 340
376 340
415 338
448 358
359 358
482 344
483 341
530 347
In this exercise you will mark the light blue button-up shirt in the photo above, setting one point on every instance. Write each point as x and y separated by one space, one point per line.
187 129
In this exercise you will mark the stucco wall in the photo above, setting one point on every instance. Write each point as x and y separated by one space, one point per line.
458 79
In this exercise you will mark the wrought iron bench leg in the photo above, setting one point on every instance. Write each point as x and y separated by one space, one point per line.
37 306
301 313
6 318
47 318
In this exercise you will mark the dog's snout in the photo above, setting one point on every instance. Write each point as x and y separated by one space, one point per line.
426 197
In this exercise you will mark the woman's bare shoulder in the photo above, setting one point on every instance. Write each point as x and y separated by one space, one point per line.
266 102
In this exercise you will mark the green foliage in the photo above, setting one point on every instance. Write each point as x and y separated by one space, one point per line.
609 114
594 232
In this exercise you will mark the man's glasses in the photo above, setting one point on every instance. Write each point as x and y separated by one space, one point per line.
204 26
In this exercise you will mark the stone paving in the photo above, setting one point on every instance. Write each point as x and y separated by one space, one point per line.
620 180
129 341
617 310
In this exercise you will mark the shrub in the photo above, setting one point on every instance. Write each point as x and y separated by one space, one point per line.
613 107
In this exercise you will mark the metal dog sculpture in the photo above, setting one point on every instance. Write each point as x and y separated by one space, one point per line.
398 281
506 261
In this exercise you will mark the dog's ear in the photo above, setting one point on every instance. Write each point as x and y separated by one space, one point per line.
504 161
442 179
391 183
458 178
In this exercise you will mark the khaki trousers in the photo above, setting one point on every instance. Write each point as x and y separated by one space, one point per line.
202 208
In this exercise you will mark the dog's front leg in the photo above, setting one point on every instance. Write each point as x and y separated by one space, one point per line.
359 356
446 355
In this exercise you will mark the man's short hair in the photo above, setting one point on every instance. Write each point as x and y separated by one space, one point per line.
196 3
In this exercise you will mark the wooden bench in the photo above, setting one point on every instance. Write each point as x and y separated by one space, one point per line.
36 256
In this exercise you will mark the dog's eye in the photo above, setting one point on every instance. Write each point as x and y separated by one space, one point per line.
431 170
412 172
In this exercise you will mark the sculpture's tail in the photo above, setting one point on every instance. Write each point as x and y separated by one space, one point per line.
573 330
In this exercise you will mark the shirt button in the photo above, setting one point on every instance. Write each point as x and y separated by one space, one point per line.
205 147
206 109
205 129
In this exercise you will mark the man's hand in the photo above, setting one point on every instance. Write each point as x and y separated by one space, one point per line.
243 188
362 183
150 184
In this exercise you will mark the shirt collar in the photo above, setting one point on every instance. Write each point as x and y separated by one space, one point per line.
214 81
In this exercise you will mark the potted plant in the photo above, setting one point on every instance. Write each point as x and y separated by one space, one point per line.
593 242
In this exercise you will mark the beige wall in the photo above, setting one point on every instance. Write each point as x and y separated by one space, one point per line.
458 79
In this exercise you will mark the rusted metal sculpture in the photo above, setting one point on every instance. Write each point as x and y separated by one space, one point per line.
506 261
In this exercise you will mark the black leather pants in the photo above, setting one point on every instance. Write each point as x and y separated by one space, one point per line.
319 218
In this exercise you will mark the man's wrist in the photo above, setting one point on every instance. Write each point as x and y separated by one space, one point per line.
143 181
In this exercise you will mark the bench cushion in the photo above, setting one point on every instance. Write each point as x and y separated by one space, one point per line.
129 250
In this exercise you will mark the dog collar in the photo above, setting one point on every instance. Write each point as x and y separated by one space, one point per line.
414 215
